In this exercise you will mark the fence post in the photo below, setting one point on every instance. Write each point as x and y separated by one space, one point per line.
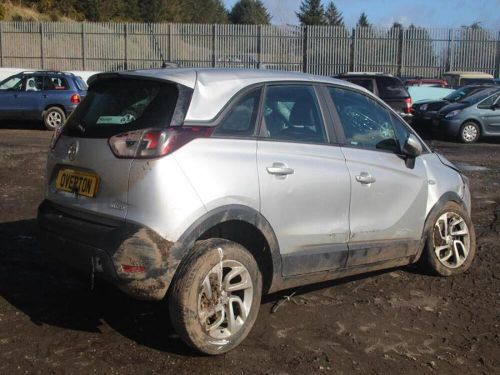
1 44
400 51
305 42
42 56
449 57
125 33
497 57
352 62
214 46
83 47
169 51
259 46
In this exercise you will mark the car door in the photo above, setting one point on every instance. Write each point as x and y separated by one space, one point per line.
304 181
388 194
29 100
489 111
9 89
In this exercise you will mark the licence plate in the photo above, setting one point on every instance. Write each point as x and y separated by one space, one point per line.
78 182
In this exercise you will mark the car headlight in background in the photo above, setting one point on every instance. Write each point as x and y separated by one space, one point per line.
424 107
453 113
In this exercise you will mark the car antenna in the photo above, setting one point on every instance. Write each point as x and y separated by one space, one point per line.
164 63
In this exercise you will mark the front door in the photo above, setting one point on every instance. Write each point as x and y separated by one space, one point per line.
304 181
388 198
489 111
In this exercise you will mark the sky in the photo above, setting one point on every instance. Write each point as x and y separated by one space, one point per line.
427 13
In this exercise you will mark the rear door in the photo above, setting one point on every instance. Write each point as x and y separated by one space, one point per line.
388 198
304 182
82 170
56 90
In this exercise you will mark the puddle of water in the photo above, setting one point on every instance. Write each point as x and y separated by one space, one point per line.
472 168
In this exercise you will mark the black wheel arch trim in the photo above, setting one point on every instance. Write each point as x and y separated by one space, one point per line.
222 214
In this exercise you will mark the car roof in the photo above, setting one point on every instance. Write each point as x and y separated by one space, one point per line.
468 74
213 88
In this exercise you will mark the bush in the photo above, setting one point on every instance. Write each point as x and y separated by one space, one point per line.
3 12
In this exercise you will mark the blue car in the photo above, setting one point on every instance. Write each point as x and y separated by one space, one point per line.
472 117
47 96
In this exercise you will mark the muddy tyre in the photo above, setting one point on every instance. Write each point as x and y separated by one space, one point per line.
53 118
469 132
215 297
451 242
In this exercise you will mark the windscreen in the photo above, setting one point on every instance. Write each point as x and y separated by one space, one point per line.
478 96
389 87
119 105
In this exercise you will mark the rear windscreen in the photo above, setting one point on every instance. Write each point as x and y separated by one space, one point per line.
80 83
114 106
389 87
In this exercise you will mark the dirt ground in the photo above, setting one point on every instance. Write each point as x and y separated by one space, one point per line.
393 322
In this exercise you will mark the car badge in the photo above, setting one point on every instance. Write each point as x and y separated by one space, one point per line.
72 151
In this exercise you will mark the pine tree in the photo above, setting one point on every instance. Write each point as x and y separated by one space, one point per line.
363 20
333 15
311 13
205 11
250 12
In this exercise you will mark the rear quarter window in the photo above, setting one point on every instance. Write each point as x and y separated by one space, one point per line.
390 87
114 106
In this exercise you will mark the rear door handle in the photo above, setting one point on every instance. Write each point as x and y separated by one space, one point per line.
279 169
365 178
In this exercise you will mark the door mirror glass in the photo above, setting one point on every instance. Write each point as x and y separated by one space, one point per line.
412 147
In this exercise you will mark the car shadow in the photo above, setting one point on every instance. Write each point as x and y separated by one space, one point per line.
50 293
22 124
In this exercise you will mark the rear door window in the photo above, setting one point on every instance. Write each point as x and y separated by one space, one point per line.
389 87
34 83
114 106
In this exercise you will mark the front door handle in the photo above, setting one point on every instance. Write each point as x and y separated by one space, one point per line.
279 169
365 178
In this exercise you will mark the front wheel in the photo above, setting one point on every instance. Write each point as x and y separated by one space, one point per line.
53 118
469 132
215 297
451 242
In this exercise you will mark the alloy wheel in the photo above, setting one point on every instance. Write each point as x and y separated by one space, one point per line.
451 240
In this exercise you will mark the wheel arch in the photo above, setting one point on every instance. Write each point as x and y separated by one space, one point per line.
240 224
449 196
475 121
60 106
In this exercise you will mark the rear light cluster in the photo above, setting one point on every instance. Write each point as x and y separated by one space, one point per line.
408 105
75 99
152 143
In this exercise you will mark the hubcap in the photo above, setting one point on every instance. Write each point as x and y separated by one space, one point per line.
225 299
54 119
469 133
451 240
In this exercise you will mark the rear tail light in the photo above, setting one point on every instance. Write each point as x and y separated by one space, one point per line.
408 105
152 143
75 99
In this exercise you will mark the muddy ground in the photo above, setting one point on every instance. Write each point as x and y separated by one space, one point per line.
393 322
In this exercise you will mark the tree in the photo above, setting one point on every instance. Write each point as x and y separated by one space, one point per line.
311 13
363 20
205 11
333 15
250 12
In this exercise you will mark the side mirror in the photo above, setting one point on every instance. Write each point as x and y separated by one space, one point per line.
412 147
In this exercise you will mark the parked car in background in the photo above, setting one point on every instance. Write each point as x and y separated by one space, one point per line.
210 187
425 110
472 117
41 95
387 87
432 82
458 79
421 93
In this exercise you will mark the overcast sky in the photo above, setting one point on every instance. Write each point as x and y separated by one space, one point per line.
432 13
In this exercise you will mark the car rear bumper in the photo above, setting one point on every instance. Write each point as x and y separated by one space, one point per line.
134 258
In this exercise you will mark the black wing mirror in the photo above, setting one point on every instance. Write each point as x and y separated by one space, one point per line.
411 149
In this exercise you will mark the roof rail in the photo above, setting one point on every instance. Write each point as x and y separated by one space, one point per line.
367 74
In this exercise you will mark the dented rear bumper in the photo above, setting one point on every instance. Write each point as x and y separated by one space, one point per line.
132 257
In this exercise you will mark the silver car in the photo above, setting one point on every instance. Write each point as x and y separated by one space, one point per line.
211 187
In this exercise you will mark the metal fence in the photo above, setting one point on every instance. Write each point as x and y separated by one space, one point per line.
315 49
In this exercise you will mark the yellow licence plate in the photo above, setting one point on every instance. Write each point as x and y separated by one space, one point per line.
78 182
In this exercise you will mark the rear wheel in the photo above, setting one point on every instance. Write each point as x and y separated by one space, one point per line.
53 118
215 297
469 132
451 242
